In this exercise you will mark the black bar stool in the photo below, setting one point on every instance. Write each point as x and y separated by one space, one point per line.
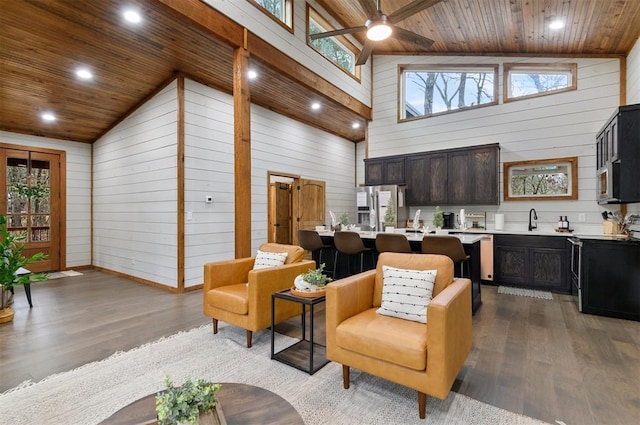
450 246
310 240
349 244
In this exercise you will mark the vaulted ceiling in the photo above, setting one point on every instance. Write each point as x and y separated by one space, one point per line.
43 42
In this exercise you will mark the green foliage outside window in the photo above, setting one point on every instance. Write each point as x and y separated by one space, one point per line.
332 49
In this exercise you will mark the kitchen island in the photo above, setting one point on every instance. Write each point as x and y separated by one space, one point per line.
470 243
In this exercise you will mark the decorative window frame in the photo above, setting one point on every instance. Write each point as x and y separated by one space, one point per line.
340 39
440 68
571 164
570 68
287 23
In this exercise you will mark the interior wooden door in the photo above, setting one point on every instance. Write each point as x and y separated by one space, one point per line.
283 210
311 204
31 201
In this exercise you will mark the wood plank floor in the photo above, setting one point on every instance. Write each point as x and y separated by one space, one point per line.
536 357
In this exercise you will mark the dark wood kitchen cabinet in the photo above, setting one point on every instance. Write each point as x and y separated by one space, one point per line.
385 170
533 262
610 278
464 176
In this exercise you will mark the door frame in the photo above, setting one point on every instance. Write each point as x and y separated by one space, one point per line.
62 204
295 207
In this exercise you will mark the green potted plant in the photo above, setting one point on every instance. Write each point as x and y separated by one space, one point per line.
186 403
312 281
12 245
344 221
390 217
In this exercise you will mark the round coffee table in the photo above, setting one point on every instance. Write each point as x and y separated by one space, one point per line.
241 404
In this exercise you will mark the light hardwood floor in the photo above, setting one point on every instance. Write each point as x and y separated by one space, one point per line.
536 357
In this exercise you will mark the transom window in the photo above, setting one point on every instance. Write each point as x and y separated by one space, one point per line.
524 81
337 49
280 10
435 89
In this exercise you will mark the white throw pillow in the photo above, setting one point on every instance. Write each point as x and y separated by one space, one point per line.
406 293
269 259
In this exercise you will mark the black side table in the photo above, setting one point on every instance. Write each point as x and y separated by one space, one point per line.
305 355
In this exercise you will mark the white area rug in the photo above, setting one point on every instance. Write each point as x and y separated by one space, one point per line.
93 392
66 273
534 293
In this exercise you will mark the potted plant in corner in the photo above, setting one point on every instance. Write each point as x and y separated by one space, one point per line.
311 282
12 246
194 402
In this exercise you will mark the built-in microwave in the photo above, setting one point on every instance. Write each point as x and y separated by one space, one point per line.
607 180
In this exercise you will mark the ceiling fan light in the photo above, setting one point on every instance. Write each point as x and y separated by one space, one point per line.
378 31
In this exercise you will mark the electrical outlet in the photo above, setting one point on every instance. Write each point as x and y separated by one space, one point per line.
582 217
208 199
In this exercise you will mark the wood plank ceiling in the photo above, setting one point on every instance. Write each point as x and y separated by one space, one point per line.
43 42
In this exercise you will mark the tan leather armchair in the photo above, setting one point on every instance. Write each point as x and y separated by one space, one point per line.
235 293
425 357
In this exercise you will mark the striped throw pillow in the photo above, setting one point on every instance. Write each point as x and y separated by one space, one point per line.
406 293
269 259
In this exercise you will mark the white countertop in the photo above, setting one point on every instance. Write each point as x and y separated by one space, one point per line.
415 237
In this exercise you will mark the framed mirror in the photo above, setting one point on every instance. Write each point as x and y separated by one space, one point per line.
545 179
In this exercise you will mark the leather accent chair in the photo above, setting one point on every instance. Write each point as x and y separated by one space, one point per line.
450 246
425 357
392 242
235 293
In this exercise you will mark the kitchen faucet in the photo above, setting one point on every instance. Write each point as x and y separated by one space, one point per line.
533 225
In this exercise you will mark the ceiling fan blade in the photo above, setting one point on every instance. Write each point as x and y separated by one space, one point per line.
411 9
365 53
369 7
411 37
337 32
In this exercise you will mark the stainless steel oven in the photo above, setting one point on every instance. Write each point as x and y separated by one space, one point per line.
576 269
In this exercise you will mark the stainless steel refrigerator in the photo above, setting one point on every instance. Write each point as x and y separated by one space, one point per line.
372 202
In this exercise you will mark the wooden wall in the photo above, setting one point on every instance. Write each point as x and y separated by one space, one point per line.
135 193
78 241
545 127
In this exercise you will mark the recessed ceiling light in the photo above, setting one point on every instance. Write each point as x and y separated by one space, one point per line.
84 74
132 16
557 24
48 116
315 106
252 74
355 125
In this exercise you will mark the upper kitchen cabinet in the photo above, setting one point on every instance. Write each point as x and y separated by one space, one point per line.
464 176
618 157
386 170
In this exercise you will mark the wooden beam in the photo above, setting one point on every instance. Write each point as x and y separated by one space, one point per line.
623 81
180 184
242 151
276 59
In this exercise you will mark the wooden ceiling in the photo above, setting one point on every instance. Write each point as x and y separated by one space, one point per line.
43 42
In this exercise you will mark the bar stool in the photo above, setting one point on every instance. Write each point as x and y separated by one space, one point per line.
349 244
392 242
310 240
450 246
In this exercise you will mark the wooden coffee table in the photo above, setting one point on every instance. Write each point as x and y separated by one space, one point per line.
241 404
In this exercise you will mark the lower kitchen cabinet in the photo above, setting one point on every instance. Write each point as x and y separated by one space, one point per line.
611 278
533 262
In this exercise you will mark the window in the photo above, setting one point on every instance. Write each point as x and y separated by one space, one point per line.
434 89
279 10
524 81
337 49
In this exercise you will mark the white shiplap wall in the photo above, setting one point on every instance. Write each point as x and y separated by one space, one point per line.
633 97
78 189
294 45
209 167
283 145
135 193
545 127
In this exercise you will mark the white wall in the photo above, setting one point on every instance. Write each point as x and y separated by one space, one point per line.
135 193
294 45
78 189
551 126
209 168
633 97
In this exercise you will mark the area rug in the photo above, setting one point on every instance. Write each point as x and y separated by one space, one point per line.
534 293
66 273
93 392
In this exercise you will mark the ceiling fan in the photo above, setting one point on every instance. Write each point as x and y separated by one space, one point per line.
380 26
